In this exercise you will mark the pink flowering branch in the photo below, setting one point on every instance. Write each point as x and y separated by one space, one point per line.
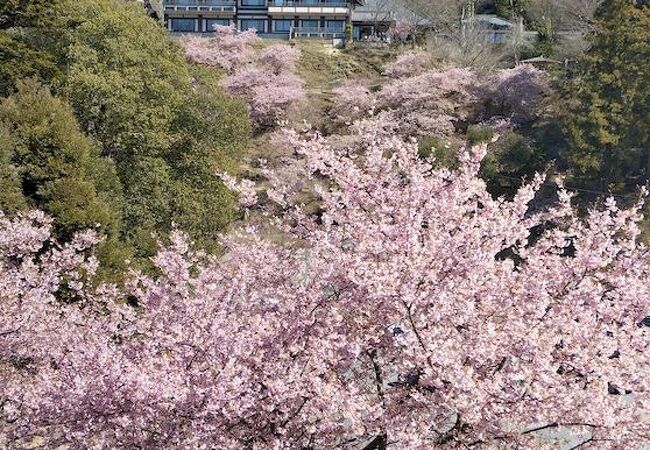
408 64
264 79
227 49
415 310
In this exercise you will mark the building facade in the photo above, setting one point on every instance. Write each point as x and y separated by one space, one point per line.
271 18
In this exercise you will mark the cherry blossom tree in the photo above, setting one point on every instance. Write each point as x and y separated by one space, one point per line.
279 58
402 31
439 102
265 79
352 102
267 92
226 49
515 93
415 311
430 103
408 64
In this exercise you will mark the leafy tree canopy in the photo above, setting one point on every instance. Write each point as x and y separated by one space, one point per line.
167 125
27 13
59 168
607 122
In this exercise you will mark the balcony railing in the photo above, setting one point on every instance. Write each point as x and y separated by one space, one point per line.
315 7
326 3
200 5
314 32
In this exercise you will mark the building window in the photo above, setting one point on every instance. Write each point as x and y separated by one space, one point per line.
182 25
335 25
211 24
252 24
282 26
310 24
253 2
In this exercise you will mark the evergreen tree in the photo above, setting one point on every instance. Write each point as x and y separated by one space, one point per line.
211 128
11 195
26 13
511 8
608 121
60 170
167 127
33 40
46 162
126 78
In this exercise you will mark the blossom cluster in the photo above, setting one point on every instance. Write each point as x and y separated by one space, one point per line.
515 92
415 309
408 64
440 101
227 49
265 79
402 31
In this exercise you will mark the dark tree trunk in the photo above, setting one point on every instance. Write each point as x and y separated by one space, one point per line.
378 443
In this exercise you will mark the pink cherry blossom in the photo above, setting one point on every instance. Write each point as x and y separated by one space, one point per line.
408 64
226 49
515 93
443 102
267 93
265 79
402 30
352 102
279 58
431 102
414 310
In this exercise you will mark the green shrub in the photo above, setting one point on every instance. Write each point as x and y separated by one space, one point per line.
60 170
443 154
479 134
513 158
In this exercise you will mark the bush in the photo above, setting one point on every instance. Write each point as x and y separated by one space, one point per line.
443 154
513 158
478 134
60 170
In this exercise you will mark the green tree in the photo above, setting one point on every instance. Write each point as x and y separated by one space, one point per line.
46 162
167 125
608 120
11 194
19 59
511 8
126 78
33 40
25 13
512 159
57 168
211 128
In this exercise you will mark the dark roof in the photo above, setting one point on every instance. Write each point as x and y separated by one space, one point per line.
491 19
